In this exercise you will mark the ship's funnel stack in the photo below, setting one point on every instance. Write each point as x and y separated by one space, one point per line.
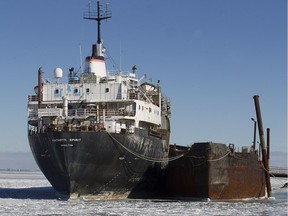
96 62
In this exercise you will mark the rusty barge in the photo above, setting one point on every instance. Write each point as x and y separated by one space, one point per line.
217 172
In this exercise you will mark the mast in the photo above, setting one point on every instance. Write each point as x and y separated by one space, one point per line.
98 16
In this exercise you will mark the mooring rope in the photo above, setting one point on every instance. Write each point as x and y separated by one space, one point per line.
212 160
268 171
275 178
145 157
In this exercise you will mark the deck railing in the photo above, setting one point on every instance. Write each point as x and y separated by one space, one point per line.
84 113
99 112
32 98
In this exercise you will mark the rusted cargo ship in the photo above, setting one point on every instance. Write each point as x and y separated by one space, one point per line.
100 134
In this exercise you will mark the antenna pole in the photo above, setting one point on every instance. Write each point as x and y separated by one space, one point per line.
120 55
98 22
80 49
98 17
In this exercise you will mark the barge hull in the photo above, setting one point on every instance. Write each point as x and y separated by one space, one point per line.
215 171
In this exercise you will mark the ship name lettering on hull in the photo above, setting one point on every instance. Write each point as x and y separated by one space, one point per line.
66 145
75 139
59 140
64 140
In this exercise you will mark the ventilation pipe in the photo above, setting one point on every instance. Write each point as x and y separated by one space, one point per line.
40 88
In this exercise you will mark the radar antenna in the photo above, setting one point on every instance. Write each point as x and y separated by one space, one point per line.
98 16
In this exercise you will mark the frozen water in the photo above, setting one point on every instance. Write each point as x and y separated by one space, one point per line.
29 193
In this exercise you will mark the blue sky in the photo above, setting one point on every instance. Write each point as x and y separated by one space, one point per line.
211 56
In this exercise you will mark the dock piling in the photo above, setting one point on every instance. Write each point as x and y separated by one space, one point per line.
263 145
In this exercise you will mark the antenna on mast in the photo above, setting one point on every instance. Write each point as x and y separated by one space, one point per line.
98 16
81 64
89 6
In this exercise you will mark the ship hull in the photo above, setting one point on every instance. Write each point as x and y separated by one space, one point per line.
99 164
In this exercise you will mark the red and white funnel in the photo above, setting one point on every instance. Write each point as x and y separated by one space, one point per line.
96 62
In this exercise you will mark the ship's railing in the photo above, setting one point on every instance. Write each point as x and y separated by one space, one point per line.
32 98
100 112
63 127
32 114
84 113
133 95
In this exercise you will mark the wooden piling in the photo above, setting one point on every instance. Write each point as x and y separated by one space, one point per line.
268 147
263 145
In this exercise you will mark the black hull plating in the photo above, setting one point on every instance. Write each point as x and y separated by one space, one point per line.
99 163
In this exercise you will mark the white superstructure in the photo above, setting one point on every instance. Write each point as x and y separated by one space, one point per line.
96 100
117 99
